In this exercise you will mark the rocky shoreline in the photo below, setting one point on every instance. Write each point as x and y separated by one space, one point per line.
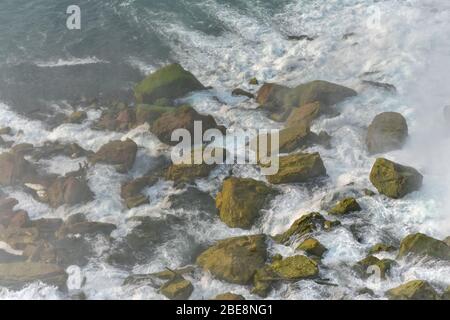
44 248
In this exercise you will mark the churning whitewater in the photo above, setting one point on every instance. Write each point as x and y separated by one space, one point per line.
394 54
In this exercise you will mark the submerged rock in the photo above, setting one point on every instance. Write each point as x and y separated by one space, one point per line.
235 259
345 206
394 180
170 82
15 275
297 168
77 117
422 245
413 290
312 247
387 132
177 289
118 153
303 226
241 200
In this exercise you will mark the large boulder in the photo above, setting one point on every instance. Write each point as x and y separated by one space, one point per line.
394 180
422 245
15 275
181 118
307 113
297 168
241 200
279 101
150 113
188 173
302 226
388 131
177 289
14 169
170 82
70 191
117 153
235 259
413 290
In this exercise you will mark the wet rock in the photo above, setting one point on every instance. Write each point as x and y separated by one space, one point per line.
193 199
22 149
14 169
300 38
303 226
5 144
177 289
85 228
394 180
143 279
372 265
150 113
5 131
306 113
15 275
263 281
298 168
296 137
19 238
345 206
182 118
447 241
413 290
118 153
312 247
53 149
229 296
422 245
188 173
131 191
125 119
241 200
70 191
241 92
296 268
19 219
77 117
7 204
170 82
235 259
253 82
446 294
6 257
380 85
47 227
381 247
388 131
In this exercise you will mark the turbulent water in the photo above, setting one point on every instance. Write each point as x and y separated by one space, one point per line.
225 43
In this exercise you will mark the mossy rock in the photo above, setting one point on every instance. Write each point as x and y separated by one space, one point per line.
295 137
312 247
297 168
240 92
188 173
253 82
413 290
170 82
241 201
296 268
150 113
388 131
381 247
366 267
422 245
177 289
16 275
345 206
446 294
447 241
263 281
235 260
394 180
303 226
77 117
229 296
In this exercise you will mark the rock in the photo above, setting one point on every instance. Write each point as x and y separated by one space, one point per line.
235 259
7 204
300 38
68 190
182 118
136 201
263 280
192 200
447 241
85 228
413 290
388 131
22 149
241 92
131 191
170 82
5 144
229 296
253 82
296 268
47 227
381 247
20 219
306 114
56 148
380 85
150 113
312 247
446 294
5 131
14 169
421 245
394 180
125 119
298 168
279 101
371 265
177 289
241 200
303 226
142 279
77 117
15 275
345 206
6 257
19 238
296 137
118 153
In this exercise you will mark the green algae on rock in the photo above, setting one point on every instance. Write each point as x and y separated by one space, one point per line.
302 226
422 245
235 260
177 289
413 290
345 206
394 180
371 265
312 247
381 247
241 200
170 82
296 268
